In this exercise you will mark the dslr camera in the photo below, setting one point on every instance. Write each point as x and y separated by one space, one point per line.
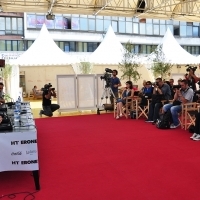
107 76
190 68
46 87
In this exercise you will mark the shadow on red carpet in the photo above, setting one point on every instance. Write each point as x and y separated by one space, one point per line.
96 157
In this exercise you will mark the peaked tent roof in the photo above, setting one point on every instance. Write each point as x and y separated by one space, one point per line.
174 53
109 51
43 51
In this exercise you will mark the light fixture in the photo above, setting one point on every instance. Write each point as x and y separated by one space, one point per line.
50 16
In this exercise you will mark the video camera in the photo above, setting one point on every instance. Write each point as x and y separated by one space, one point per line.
46 88
107 76
176 87
190 68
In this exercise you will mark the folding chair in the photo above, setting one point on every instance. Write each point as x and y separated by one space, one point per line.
126 109
142 112
187 115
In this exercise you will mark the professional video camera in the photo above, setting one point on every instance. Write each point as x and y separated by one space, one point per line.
176 87
190 68
107 76
46 88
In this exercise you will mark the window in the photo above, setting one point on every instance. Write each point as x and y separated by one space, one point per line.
176 30
121 27
149 49
143 49
99 25
129 28
72 47
142 28
149 30
183 32
83 24
115 26
189 31
20 45
136 48
155 21
162 29
66 46
85 46
2 45
79 47
135 28
29 43
106 24
8 45
91 24
14 46
195 31
156 29
61 44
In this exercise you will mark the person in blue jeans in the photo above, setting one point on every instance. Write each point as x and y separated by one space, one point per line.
183 95
115 83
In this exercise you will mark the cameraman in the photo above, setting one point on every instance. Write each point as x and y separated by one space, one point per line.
183 95
192 79
161 92
115 83
48 108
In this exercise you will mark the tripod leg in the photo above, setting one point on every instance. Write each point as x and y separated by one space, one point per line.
102 97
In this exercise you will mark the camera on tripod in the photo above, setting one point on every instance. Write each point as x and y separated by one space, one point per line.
107 76
190 68
46 87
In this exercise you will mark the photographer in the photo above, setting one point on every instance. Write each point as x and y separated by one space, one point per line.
183 95
192 78
48 108
161 92
115 83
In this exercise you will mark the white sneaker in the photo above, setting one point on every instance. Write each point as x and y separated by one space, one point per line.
197 138
173 126
117 117
193 136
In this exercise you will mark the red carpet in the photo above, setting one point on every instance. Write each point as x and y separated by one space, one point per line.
99 158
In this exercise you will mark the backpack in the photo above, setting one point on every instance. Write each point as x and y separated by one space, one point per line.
164 121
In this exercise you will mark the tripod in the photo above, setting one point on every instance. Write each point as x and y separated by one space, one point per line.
106 93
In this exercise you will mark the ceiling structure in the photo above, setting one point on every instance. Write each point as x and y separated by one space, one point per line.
182 10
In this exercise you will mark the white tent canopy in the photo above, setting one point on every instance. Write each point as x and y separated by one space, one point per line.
173 52
110 51
43 51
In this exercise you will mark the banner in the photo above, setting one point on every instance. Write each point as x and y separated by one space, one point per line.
19 151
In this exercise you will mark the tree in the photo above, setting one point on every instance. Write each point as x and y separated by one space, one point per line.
129 64
161 66
85 67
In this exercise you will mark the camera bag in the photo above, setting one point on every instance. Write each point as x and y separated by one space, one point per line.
164 121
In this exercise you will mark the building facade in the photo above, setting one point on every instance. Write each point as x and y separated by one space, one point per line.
82 33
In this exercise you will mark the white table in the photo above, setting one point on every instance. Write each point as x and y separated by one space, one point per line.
19 149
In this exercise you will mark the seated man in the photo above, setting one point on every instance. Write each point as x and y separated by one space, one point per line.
146 93
36 91
161 92
184 95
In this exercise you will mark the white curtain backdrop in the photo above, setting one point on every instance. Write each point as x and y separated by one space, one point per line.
67 92
86 91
